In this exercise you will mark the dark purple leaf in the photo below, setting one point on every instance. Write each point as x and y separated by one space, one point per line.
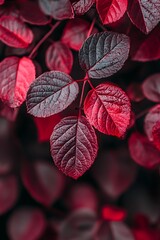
151 87
80 7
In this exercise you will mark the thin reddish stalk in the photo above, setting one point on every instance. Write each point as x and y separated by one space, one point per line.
44 38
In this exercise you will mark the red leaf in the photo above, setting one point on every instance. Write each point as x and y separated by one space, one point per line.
80 7
103 54
73 146
142 151
111 10
144 14
43 182
26 224
16 75
134 92
75 33
156 134
36 16
9 193
151 87
151 119
51 93
114 172
1 2
48 124
14 32
111 213
59 57
61 9
107 108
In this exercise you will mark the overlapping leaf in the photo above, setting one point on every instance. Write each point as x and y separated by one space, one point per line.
59 57
14 32
16 75
111 10
144 14
156 134
103 54
61 9
107 108
73 146
51 93
80 7
151 87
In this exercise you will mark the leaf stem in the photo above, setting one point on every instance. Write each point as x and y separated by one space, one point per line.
91 27
81 98
44 38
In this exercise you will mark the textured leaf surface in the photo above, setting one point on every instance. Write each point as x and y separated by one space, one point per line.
143 151
156 134
151 87
43 182
80 7
73 146
75 33
9 193
144 14
111 10
61 9
16 75
26 223
107 108
59 57
151 119
51 93
103 54
14 32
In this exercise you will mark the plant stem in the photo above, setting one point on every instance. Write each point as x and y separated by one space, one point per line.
91 27
44 38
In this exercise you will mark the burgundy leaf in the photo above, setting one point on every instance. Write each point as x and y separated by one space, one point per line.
108 109
143 151
75 33
16 75
36 16
156 134
51 93
144 14
73 146
9 193
59 57
103 54
120 231
14 32
134 92
111 10
80 7
81 224
114 171
112 213
1 2
43 182
151 87
26 224
61 9
9 113
151 119
48 124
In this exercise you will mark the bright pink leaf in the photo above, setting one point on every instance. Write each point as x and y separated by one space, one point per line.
108 109
80 7
143 151
26 224
51 93
9 193
144 14
103 54
36 16
156 134
75 33
14 32
73 146
16 75
43 182
151 119
61 9
111 10
134 92
59 57
112 213
48 124
151 87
